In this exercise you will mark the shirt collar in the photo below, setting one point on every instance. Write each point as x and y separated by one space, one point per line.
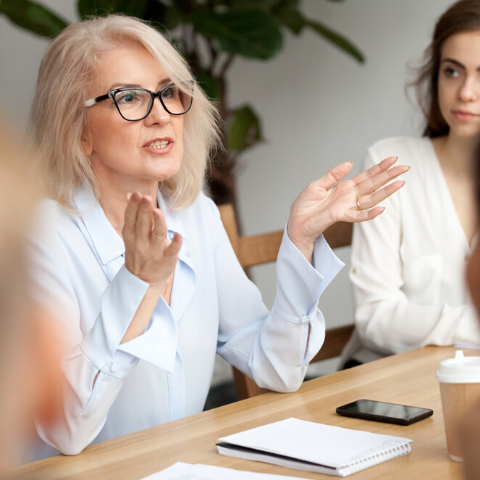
106 241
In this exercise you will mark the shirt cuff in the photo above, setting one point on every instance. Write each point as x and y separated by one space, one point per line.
119 303
158 344
299 283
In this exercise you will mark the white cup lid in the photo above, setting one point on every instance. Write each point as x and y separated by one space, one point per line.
460 369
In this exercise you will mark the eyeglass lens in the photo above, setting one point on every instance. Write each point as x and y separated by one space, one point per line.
134 103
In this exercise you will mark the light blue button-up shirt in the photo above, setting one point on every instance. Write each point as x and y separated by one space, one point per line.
165 373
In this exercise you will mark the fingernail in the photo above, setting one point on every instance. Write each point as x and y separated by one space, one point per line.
129 195
403 183
351 162
408 168
135 196
145 201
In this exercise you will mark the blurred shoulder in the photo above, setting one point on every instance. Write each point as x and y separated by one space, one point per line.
52 221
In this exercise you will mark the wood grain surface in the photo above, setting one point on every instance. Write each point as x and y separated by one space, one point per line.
407 379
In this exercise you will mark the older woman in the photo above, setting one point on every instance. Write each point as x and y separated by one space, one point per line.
148 283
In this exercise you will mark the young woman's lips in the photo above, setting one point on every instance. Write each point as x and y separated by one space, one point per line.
159 146
463 115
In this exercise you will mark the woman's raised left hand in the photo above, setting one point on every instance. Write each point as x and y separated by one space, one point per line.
325 202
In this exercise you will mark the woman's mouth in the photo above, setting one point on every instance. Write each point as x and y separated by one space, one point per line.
464 115
159 145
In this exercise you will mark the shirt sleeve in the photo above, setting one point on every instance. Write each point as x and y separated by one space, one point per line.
271 346
386 321
94 367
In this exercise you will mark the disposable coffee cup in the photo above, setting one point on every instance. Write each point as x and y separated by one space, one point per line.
459 379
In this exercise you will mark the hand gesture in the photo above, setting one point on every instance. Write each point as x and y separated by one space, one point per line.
325 202
148 254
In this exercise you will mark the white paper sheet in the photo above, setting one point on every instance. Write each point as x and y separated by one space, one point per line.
186 471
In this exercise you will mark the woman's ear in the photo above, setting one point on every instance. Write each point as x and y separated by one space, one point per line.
86 144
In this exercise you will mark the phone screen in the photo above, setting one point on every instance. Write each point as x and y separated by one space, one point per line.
385 409
386 412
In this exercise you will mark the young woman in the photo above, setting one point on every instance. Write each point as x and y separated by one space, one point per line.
139 266
408 266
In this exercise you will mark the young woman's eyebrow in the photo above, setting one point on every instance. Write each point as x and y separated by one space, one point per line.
455 62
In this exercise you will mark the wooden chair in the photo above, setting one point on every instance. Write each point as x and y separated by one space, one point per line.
260 249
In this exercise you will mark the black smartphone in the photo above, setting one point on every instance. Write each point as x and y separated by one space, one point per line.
384 412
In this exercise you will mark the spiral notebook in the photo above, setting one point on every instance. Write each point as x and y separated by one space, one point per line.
314 447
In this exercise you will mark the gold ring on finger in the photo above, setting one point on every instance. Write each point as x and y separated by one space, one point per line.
358 204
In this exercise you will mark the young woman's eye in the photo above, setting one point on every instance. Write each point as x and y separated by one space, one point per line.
451 72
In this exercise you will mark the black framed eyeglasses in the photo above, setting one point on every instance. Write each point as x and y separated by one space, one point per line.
135 104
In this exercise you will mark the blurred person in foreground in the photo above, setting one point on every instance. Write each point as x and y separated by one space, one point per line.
408 267
471 427
29 353
139 264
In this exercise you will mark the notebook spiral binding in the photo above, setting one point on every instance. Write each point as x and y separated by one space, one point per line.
387 451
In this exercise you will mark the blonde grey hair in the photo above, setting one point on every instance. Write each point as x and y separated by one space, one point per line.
59 115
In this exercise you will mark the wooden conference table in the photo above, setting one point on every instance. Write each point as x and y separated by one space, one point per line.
408 379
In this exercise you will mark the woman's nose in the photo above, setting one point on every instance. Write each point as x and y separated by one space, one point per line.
469 90
158 114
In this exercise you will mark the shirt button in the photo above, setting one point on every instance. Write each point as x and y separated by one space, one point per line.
188 254
170 235
304 319
114 368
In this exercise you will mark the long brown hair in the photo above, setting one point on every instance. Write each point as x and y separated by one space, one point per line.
463 16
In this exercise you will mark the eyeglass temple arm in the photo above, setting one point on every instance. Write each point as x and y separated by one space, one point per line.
93 101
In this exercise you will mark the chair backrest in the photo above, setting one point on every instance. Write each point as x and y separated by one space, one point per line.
260 249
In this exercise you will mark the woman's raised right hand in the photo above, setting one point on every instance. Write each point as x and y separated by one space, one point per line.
148 253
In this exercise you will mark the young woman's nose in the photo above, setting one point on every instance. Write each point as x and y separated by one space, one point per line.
469 89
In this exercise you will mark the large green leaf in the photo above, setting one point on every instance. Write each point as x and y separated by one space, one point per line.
247 31
265 4
209 85
33 17
244 129
167 16
134 8
290 17
337 39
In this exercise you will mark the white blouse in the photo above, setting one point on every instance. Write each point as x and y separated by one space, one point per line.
408 265
165 373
